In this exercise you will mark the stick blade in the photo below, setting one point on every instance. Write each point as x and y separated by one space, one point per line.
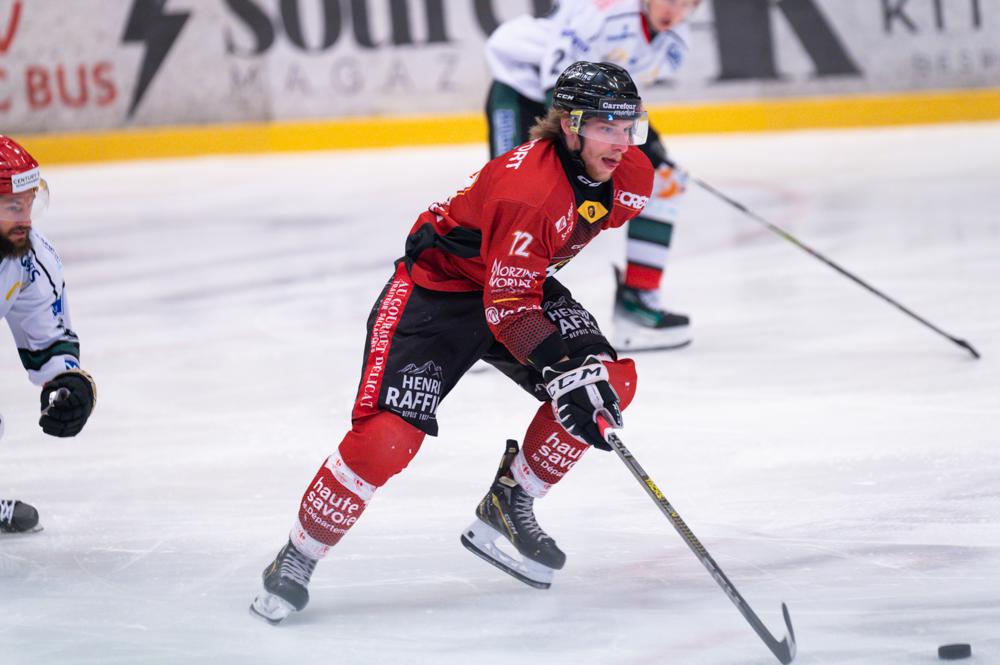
968 347
785 650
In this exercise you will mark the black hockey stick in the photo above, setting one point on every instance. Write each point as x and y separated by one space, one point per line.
801 245
783 650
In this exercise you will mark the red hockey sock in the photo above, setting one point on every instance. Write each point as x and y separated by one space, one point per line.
378 447
638 276
548 453
332 503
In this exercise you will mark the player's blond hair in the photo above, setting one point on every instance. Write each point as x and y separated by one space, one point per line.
549 127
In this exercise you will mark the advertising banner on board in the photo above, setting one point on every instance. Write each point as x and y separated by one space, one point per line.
106 64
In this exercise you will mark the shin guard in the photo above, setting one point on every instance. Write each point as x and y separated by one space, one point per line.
377 448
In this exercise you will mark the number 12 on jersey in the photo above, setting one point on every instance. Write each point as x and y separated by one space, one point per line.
520 245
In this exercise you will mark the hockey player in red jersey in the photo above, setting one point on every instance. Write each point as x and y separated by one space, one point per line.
649 38
476 282
33 301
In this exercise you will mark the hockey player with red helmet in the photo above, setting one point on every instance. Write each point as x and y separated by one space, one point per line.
476 282
33 301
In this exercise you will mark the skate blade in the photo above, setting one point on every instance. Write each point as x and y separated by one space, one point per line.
632 337
480 539
34 529
272 609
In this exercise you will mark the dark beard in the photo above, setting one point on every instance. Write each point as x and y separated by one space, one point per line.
8 248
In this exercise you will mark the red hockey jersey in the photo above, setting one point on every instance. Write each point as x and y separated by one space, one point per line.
517 221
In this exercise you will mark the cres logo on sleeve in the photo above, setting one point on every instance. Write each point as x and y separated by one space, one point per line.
631 200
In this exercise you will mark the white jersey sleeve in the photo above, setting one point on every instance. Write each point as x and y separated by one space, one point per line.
37 312
514 52
529 54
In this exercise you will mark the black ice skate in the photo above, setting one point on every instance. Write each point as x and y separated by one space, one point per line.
507 512
285 582
18 517
641 324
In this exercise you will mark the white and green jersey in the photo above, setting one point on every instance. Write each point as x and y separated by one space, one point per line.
33 300
528 53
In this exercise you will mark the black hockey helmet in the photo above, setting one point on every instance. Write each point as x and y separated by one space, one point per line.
585 85
600 90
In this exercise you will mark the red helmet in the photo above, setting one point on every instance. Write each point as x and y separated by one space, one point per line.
18 169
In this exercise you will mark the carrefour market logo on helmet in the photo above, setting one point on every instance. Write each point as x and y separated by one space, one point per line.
22 182
618 107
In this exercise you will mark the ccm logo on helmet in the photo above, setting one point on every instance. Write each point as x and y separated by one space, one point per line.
22 182
630 200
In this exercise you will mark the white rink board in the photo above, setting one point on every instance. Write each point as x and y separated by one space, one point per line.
828 451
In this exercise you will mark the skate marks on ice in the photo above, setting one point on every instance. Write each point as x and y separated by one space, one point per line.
826 453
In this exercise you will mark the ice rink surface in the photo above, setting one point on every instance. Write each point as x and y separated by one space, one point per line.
827 450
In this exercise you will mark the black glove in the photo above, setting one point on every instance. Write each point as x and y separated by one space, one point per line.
580 392
67 401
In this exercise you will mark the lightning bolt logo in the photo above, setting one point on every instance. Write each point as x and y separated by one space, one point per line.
148 23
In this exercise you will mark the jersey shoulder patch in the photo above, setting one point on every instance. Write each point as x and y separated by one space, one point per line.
43 266
633 180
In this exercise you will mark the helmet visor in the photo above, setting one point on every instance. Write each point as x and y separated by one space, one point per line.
25 206
609 127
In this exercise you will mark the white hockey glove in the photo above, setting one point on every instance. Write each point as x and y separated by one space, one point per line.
580 392
669 182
